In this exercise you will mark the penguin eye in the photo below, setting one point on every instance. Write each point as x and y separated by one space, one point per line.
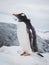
22 14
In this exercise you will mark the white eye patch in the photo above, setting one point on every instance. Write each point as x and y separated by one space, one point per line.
22 14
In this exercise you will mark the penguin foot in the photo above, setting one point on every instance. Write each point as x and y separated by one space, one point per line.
25 54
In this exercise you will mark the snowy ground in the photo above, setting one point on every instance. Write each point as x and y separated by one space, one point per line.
11 56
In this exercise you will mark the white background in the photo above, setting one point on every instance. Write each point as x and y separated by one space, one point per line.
36 10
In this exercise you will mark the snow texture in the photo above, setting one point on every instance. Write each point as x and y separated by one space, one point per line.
11 56
43 46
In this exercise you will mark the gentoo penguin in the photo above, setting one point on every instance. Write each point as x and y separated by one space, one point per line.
26 33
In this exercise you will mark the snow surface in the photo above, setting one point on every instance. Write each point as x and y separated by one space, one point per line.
44 34
11 56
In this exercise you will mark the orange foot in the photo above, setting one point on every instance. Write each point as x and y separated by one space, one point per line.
25 54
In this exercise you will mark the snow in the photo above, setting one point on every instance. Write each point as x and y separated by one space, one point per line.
42 45
43 34
11 56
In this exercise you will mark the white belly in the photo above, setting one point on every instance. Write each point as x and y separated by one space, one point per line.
23 37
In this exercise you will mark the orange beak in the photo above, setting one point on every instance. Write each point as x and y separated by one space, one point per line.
14 14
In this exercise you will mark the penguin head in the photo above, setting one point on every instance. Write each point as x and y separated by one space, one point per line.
22 17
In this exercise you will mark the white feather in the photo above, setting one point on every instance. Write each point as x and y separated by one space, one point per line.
23 37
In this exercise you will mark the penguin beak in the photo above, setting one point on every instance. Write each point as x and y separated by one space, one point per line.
15 14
